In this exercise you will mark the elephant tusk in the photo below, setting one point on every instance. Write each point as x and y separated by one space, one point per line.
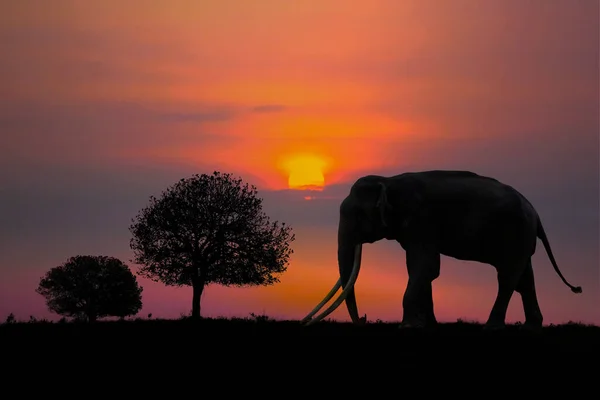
349 286
337 285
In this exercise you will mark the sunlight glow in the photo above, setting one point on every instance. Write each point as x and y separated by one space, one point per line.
305 172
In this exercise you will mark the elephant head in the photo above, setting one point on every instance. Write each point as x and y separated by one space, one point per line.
366 216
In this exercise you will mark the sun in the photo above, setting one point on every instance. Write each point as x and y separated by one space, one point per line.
305 172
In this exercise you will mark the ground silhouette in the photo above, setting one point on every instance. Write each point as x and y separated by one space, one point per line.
259 356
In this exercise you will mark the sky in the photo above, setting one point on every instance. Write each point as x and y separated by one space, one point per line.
105 103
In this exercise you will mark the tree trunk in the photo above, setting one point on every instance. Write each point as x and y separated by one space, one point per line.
90 310
198 287
91 316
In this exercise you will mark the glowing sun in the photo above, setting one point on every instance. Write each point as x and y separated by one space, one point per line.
305 172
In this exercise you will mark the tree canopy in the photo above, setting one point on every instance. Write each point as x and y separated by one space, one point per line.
209 229
91 287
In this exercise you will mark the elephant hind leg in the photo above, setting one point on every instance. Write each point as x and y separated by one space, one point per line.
526 288
427 305
509 275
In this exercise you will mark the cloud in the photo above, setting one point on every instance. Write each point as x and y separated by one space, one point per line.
87 131
198 117
269 108
53 61
112 111
322 211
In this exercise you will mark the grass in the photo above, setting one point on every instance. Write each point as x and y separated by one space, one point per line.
257 327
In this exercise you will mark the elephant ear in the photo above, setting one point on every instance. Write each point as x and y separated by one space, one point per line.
371 195
383 205
412 204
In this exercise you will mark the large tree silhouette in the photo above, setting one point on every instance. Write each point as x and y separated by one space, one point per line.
91 287
209 229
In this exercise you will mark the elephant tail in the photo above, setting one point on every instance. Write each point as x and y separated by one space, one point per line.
542 235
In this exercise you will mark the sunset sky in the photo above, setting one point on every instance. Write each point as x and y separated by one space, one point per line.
104 103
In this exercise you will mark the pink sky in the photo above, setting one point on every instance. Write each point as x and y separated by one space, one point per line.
103 103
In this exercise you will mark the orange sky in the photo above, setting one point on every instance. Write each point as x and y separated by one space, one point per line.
95 94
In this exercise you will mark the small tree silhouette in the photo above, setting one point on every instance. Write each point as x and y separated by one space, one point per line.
91 287
209 229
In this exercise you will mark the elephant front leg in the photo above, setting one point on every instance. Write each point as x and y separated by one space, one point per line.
418 306
423 269
412 316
